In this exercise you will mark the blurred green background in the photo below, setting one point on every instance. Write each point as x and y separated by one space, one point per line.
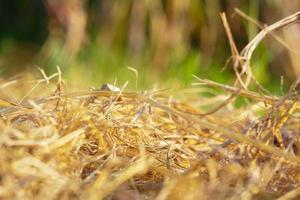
166 41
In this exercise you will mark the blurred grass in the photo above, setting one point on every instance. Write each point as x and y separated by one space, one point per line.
165 41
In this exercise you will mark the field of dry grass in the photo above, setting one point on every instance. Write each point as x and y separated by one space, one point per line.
60 143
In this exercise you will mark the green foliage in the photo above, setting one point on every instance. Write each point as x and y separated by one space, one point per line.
166 41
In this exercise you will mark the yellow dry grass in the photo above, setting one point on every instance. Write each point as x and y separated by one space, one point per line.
59 143
101 144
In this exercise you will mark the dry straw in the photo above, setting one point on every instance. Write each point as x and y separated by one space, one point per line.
105 144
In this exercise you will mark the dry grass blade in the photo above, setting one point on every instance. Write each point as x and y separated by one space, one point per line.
247 52
237 59
62 141
242 92
261 26
111 184
290 195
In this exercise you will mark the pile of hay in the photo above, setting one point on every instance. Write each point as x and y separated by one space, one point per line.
100 144
106 144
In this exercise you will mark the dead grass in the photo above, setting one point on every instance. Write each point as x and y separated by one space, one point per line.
62 144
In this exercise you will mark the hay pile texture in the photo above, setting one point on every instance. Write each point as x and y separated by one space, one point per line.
194 144
146 145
